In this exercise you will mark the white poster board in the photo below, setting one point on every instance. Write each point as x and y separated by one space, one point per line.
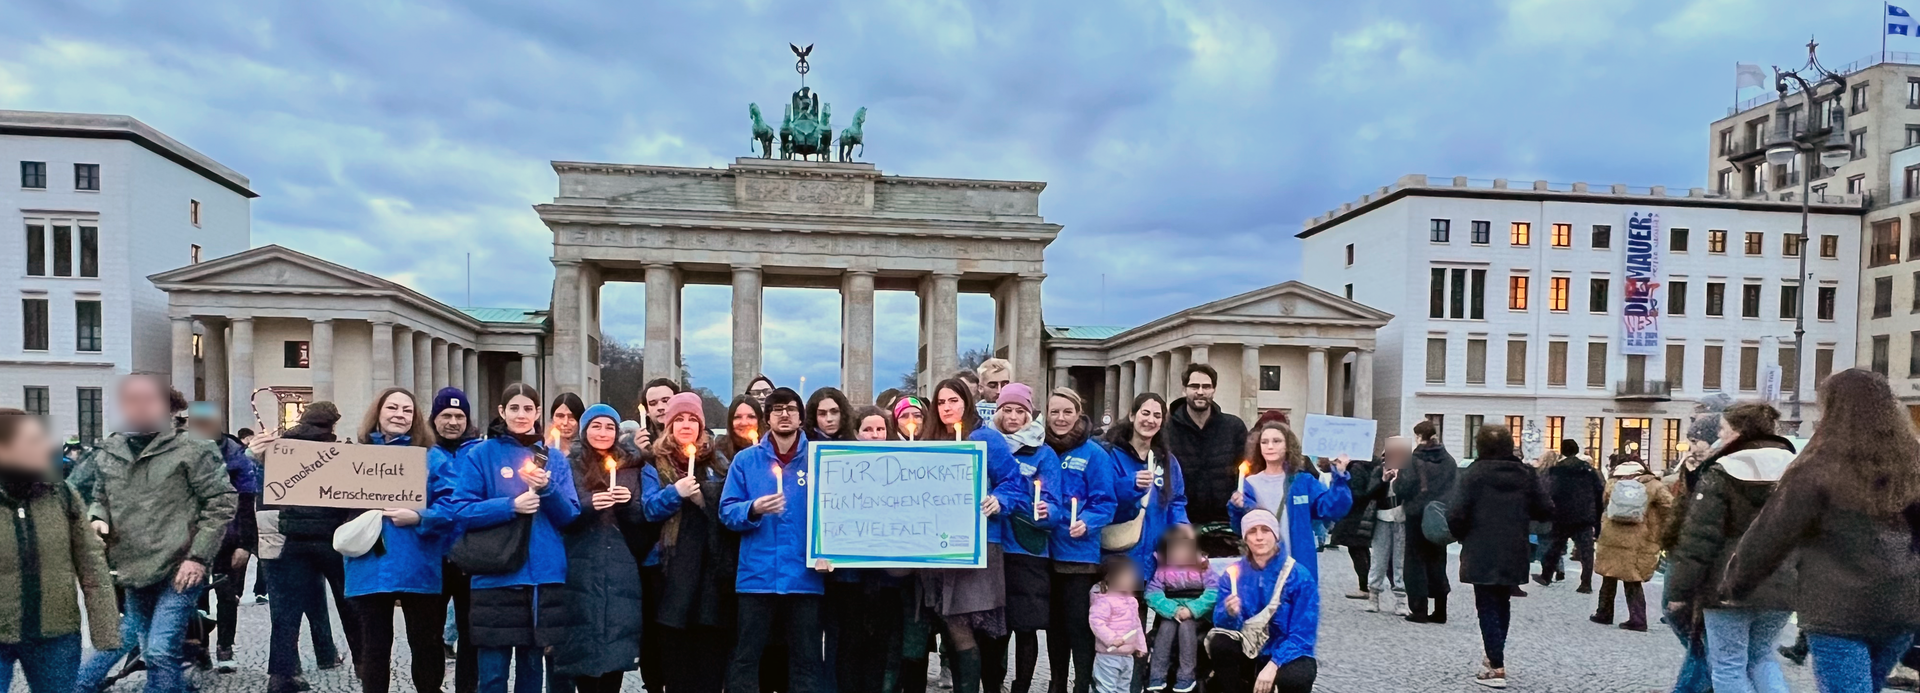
1332 436
897 504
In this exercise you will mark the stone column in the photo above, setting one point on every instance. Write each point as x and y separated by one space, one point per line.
1161 378
182 375
1142 377
1027 357
1112 392
382 356
403 368
663 297
441 371
469 371
1176 366
942 311
213 366
748 292
856 336
529 370
1200 354
570 330
320 360
1061 378
1250 382
1316 380
1337 383
423 362
1363 384
240 375
1124 394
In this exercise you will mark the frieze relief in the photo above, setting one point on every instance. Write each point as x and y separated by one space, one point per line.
815 243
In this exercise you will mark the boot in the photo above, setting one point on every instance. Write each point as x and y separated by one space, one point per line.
1603 612
966 670
1636 609
913 675
1439 610
1417 610
281 684
1586 578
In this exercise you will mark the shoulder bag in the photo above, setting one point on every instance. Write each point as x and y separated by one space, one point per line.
501 548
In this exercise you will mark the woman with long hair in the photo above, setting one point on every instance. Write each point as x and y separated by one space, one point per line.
827 412
1499 498
1088 476
1150 493
1281 481
565 417
1848 513
1430 476
1026 530
603 581
745 425
517 614
697 555
406 570
973 602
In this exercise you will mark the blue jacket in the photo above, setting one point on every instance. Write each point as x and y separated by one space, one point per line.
1089 474
1295 627
486 479
1037 462
410 557
772 547
1003 481
1161 514
1311 500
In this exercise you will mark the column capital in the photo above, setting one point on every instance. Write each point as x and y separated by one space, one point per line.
859 271
748 267
1317 348
320 320
662 265
565 262
1031 276
242 319
943 274
380 321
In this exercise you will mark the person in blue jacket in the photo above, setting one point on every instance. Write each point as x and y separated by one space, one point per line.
1088 476
1149 488
973 602
1279 483
765 502
1026 528
450 417
1266 584
405 567
517 614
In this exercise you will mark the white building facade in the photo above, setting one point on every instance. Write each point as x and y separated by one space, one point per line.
103 201
1508 305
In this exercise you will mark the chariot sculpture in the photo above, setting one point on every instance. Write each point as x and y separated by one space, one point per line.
806 124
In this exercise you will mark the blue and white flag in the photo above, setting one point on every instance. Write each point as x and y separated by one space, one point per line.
1899 22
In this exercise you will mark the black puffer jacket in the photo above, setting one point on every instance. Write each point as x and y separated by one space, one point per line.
1734 486
307 524
1575 489
1209 458
603 581
1430 476
1498 499
1356 529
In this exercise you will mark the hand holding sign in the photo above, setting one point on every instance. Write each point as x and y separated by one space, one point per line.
1333 436
338 475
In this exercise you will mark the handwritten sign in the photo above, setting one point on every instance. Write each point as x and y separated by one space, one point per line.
338 475
1330 436
897 504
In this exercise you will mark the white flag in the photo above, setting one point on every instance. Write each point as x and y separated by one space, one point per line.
1899 22
1748 75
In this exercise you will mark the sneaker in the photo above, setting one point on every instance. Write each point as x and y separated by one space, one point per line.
1903 678
1492 678
223 661
1159 685
331 663
1359 594
1543 579
1402 611
1798 657
1602 621
1183 687
259 599
1517 592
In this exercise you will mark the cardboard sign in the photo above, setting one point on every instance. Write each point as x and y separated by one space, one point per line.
1330 436
897 504
340 475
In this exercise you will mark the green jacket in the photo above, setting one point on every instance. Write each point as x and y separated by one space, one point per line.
48 550
169 503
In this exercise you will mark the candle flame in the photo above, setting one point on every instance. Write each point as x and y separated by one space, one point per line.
689 450
553 436
611 465
911 428
1246 468
753 433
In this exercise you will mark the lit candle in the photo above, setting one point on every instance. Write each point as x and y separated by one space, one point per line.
956 431
911 428
779 482
689 449
611 465
1076 510
1036 499
1233 576
1242 483
753 433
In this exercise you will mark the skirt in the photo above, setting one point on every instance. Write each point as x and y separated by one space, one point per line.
506 617
1029 587
966 590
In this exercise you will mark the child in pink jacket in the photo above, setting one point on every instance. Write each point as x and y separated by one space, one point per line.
1117 632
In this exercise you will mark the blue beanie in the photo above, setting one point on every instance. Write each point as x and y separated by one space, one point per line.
597 411
450 398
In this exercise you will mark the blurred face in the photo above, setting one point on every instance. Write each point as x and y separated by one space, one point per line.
1397 453
143 404
745 423
685 429
1124 580
872 428
1061 415
1183 553
396 415
656 402
1261 543
204 428
1199 389
1273 448
912 419
30 450
1146 421
450 423
826 418
601 433
951 405
566 421
521 414
1013 417
784 418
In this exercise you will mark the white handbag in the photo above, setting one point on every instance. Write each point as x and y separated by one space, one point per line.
358 536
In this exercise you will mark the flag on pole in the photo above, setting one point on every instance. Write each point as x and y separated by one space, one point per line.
1748 75
1899 22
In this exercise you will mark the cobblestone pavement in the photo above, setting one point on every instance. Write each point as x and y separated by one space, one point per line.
1552 648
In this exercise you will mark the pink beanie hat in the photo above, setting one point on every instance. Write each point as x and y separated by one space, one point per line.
1016 393
685 403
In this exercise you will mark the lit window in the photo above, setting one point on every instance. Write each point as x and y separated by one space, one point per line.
1521 233
1517 292
1562 235
1557 294
1717 241
1755 243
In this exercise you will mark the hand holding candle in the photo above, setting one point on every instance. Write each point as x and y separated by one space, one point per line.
689 449
1233 592
1036 499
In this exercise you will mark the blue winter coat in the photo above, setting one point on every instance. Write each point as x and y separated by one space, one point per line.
410 561
1003 481
1310 500
486 480
1162 514
1088 473
1032 463
1295 627
772 547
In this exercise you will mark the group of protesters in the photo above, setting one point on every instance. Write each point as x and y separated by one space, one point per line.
575 545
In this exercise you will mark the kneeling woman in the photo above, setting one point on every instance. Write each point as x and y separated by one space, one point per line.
1267 619
517 605
698 556
603 581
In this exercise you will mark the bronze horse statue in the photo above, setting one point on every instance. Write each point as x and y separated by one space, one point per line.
762 132
852 137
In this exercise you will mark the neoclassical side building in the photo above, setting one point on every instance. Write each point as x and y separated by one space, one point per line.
1287 347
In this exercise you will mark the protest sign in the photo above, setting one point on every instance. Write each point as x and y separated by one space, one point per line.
339 475
1330 436
897 504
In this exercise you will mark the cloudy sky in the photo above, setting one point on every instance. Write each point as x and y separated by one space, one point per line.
1183 143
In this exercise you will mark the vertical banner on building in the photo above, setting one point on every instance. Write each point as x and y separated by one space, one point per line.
1641 314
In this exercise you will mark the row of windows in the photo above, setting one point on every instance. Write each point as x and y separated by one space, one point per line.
1883 296
1460 293
33 176
36 325
72 246
1632 435
38 401
1713 359
1520 233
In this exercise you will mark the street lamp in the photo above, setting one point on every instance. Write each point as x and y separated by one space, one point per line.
1826 144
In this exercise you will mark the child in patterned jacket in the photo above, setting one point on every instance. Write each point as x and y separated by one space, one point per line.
1182 597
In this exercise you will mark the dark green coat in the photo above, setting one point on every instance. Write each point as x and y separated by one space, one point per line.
168 503
46 550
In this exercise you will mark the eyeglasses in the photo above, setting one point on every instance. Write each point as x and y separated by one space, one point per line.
786 409
760 391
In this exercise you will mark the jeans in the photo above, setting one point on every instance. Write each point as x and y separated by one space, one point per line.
1854 665
1495 604
797 618
526 664
50 663
1383 580
1112 673
155 619
1582 538
425 614
1740 650
1695 674
226 598
1173 638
